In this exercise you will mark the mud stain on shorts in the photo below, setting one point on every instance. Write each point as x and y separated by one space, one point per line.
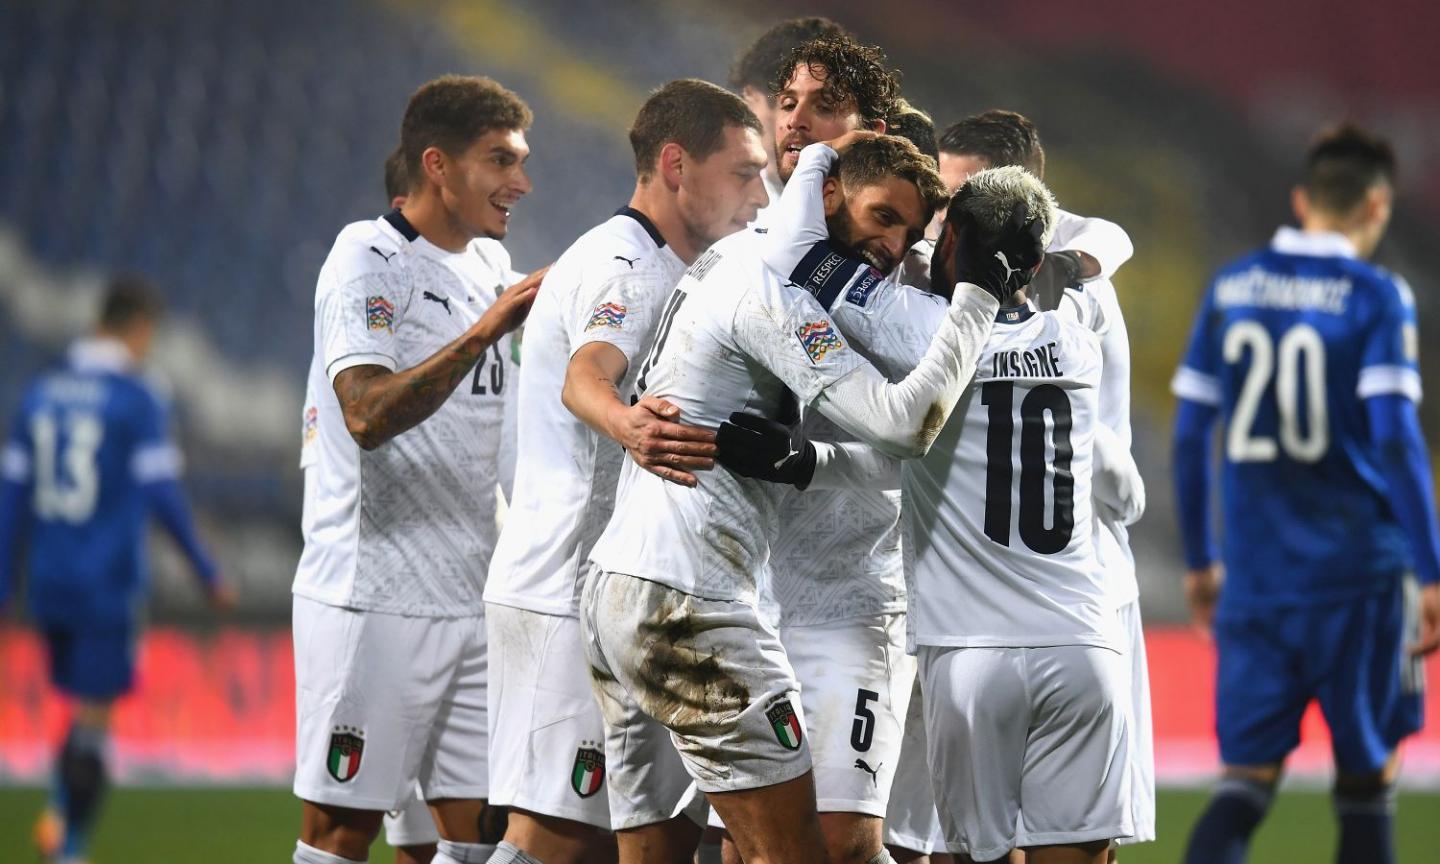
682 686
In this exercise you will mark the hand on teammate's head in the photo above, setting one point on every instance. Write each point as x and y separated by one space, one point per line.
1001 263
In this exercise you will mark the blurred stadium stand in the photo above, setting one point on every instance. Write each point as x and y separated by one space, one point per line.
218 146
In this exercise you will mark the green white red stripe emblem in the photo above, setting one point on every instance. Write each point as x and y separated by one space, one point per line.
786 724
588 775
346 747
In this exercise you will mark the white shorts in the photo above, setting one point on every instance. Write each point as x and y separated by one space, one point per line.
1046 726
382 701
911 820
411 824
855 682
547 740
705 670
1142 733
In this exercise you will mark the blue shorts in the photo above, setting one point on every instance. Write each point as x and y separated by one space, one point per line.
98 666
1349 656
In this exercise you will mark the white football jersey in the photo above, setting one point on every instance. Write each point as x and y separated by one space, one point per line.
737 337
406 528
999 512
609 286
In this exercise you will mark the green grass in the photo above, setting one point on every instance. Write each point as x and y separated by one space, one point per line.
252 826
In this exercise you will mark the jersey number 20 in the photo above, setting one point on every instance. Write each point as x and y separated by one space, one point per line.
1300 346
1000 466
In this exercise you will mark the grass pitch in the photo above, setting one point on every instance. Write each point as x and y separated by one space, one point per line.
249 826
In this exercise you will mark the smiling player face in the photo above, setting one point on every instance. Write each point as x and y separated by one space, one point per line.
805 112
878 221
484 183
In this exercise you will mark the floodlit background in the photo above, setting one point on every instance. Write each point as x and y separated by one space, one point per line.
219 146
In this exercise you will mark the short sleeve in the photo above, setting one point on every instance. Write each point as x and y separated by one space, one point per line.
1198 378
357 321
620 312
156 457
1390 356
787 332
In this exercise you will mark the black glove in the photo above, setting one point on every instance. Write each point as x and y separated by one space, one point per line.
1001 264
1061 270
757 447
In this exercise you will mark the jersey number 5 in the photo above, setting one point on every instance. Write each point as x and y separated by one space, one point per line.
1000 470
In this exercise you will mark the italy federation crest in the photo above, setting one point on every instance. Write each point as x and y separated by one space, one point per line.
781 715
588 774
347 744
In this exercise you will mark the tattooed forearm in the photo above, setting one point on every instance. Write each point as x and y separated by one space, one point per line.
379 404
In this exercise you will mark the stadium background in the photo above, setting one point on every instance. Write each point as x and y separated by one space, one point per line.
218 147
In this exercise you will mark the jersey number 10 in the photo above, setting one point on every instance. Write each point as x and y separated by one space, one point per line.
1000 466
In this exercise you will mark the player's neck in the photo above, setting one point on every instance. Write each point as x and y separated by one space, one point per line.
427 213
1320 222
658 205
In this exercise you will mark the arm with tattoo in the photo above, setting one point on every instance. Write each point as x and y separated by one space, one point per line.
379 404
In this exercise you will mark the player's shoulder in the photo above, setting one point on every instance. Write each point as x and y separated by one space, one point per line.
626 243
366 250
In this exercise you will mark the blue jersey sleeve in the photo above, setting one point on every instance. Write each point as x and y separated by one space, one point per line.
1395 424
1389 359
155 465
1198 378
16 482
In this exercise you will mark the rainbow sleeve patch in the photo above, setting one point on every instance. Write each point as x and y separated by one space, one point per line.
379 313
607 315
819 338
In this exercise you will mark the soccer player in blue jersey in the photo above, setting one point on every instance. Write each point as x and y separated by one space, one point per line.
88 460
1306 354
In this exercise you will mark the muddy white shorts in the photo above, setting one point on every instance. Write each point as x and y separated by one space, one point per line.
547 740
1045 726
382 701
911 821
700 677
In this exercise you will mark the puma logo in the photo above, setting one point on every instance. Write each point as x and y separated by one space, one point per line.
443 301
630 261
873 772
383 255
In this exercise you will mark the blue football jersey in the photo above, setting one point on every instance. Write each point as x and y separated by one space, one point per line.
87 438
1288 343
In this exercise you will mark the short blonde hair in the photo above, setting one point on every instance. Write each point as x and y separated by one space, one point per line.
992 194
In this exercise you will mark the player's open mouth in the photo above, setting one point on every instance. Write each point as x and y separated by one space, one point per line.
878 262
504 208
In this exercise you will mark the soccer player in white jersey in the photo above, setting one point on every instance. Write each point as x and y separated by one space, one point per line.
755 70
1085 252
1017 591
677 646
698 159
399 485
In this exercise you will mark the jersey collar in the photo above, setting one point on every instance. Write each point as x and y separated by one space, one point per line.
98 354
1313 244
1015 314
398 221
644 223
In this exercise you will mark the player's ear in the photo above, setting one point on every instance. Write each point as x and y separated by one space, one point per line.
833 194
671 164
1300 204
878 126
434 163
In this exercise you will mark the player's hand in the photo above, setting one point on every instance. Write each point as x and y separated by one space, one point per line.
844 142
512 306
223 597
1001 265
650 432
760 448
1429 639
1059 270
1202 592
